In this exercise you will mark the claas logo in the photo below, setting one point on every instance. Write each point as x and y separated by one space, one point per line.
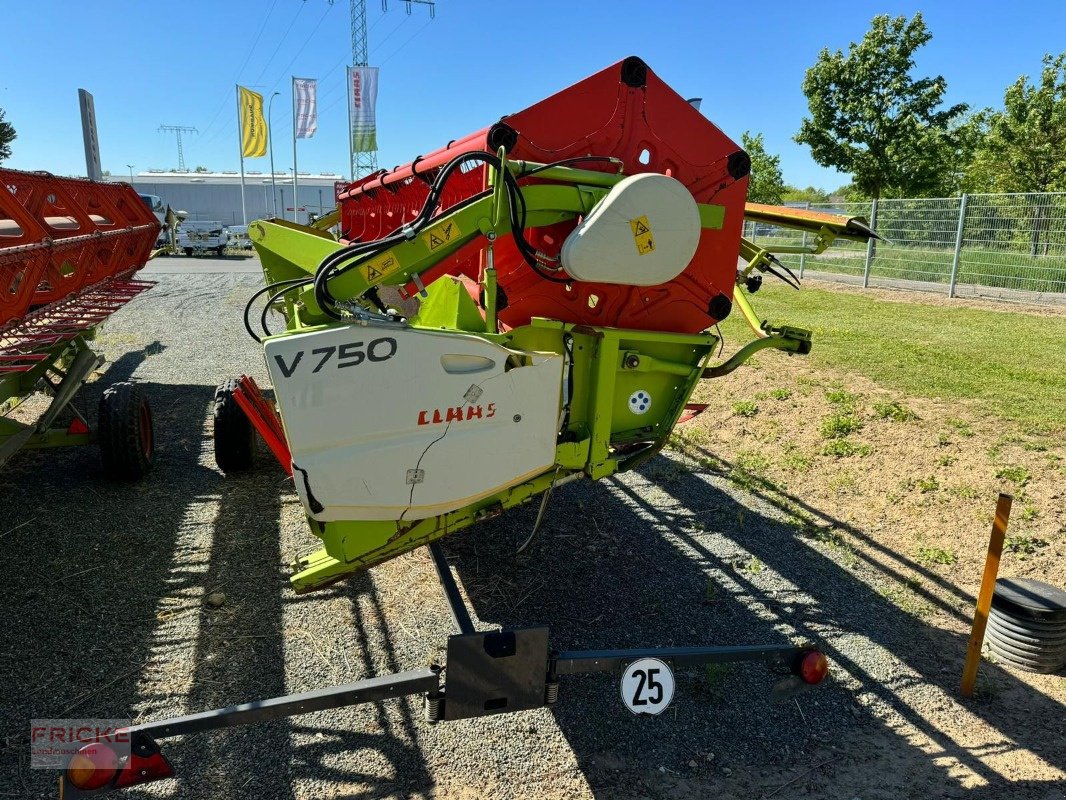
438 416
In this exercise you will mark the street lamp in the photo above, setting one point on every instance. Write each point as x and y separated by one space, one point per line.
273 188
131 173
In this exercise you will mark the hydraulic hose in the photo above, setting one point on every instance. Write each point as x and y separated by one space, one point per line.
353 255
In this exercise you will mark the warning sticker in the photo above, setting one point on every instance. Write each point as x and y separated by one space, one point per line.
440 235
377 269
642 234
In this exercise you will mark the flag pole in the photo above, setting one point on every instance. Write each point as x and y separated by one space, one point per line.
295 173
240 148
351 140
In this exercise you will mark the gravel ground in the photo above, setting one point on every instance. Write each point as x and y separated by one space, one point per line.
107 583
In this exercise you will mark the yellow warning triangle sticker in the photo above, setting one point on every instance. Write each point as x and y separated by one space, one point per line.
372 274
640 228
435 241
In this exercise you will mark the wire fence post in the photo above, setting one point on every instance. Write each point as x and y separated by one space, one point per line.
870 246
958 245
803 256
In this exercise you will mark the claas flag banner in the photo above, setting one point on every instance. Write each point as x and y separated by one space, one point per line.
253 126
363 87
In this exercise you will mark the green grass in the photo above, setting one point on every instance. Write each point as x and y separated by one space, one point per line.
1024 545
895 411
792 458
840 425
961 427
841 397
1014 474
842 448
1010 363
745 408
930 484
928 556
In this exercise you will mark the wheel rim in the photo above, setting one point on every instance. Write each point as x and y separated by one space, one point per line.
145 423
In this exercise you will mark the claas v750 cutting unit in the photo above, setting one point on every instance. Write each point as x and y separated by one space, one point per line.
568 265
531 304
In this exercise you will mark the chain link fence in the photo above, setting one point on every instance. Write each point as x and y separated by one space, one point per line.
1011 246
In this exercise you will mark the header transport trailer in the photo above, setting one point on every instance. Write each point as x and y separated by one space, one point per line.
529 305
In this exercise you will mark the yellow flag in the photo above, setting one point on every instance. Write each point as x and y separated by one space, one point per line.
253 126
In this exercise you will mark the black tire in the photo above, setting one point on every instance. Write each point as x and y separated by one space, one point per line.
188 252
235 444
125 433
220 251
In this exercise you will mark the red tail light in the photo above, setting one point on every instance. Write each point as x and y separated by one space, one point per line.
92 767
96 766
812 667
144 769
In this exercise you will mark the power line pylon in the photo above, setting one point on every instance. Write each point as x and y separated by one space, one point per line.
367 162
178 131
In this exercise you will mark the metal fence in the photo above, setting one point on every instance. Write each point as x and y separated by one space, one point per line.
999 245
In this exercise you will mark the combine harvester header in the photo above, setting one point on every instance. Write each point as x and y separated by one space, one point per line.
68 251
581 250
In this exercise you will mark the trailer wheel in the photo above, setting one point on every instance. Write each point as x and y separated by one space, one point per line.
220 251
125 433
235 444
188 252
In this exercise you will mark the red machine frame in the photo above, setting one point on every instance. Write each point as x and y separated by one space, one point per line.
625 111
59 236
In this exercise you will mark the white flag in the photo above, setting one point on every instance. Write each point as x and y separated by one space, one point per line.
304 90
363 90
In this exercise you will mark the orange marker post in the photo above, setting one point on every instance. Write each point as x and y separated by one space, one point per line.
984 598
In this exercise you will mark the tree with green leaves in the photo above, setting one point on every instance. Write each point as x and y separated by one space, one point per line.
765 184
1024 145
7 136
870 117
812 194
1022 148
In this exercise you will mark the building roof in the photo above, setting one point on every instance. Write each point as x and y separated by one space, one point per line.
231 177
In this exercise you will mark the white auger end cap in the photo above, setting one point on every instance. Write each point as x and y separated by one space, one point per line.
643 233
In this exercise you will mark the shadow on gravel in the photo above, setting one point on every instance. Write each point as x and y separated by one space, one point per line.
371 733
239 653
134 561
694 566
77 546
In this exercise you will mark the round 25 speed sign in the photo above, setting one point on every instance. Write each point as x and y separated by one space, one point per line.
647 686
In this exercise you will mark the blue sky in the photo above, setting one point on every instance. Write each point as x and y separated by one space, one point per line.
446 77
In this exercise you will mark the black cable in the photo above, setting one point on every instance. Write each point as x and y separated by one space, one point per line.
331 266
270 304
292 282
349 257
567 161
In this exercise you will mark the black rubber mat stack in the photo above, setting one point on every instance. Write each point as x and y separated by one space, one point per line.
1027 625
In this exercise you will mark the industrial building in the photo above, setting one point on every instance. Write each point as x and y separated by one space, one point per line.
217 195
